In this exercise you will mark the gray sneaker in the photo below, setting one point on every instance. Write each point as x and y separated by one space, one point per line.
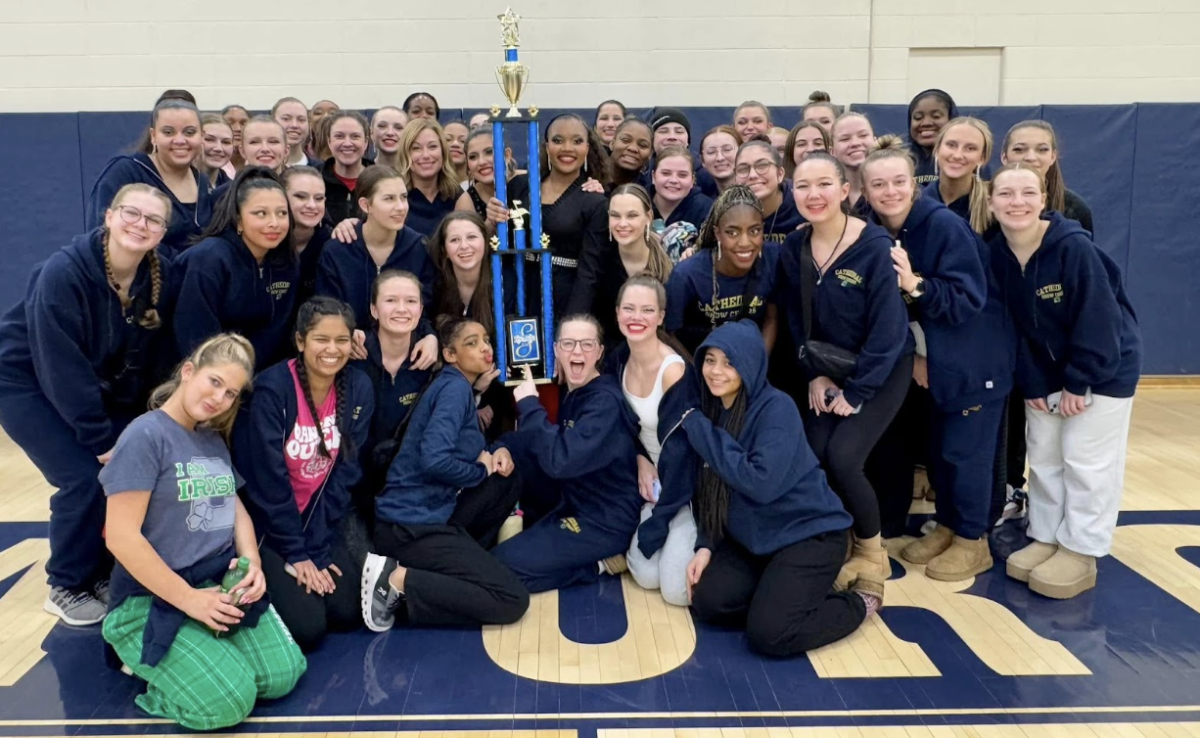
74 607
100 590
379 598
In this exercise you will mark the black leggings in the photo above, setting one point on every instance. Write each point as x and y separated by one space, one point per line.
452 579
842 445
310 616
785 599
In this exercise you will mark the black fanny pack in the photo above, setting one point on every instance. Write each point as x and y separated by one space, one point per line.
819 358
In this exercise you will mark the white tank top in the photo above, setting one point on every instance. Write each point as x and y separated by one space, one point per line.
646 408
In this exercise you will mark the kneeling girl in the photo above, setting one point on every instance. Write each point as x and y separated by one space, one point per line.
772 534
175 526
586 464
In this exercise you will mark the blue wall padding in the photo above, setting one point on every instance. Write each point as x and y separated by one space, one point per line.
1128 161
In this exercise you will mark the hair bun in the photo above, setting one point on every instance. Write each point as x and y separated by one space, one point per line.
819 96
889 142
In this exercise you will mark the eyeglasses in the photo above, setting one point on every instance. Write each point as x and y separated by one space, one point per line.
712 152
569 344
762 168
132 215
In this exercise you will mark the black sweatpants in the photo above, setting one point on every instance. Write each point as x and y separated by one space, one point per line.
310 616
452 579
892 463
785 600
842 445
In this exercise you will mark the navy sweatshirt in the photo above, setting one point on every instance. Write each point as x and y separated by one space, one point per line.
856 307
1080 331
693 208
970 340
778 493
691 313
225 289
309 259
71 341
590 456
925 170
346 271
394 396
438 456
260 433
780 224
424 215
186 220
677 462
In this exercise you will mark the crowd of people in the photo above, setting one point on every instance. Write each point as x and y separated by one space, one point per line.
274 344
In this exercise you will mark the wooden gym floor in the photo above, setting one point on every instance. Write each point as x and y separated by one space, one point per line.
981 658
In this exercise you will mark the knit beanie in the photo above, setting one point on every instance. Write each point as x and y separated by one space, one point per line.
663 116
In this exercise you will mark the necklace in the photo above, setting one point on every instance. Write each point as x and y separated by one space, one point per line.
836 246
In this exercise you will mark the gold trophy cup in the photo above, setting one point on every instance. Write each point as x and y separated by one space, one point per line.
512 75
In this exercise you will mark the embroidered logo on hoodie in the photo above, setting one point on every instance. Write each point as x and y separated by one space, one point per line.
1052 292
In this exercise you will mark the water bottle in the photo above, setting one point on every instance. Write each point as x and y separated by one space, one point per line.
231 579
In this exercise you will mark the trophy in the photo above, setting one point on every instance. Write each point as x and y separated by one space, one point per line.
526 338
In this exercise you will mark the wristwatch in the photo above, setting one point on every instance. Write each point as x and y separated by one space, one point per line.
919 289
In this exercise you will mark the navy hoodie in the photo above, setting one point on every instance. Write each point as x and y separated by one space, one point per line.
677 462
225 289
590 456
783 222
690 309
346 271
693 208
778 493
186 220
857 307
970 339
438 457
394 396
71 341
924 157
424 216
260 433
1080 331
309 259
960 207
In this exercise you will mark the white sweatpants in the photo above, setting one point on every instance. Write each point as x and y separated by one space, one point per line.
1077 474
666 570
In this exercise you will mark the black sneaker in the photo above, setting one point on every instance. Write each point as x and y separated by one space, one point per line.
379 598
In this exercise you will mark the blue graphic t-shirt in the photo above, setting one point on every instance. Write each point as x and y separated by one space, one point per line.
192 483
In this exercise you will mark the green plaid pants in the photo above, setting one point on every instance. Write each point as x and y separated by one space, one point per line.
204 682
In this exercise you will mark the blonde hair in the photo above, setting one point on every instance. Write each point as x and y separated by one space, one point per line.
448 184
1016 166
890 146
226 348
150 318
658 265
981 217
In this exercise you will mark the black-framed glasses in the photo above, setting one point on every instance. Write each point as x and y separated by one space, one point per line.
569 344
132 215
762 168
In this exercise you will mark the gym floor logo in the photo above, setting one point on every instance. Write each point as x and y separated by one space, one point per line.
608 650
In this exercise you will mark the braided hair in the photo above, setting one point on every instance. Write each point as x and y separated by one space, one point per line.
150 318
311 313
712 492
732 197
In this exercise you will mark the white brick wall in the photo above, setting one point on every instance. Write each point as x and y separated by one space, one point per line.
66 55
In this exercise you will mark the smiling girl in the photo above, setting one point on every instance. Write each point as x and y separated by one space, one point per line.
852 137
264 144
1079 369
676 197
166 163
348 134
631 151
456 132
718 156
387 128
928 114
298 441
306 196
242 276
293 116
760 168
805 137
216 149
772 535
963 148
78 357
441 509
1035 144
172 550
731 276
843 293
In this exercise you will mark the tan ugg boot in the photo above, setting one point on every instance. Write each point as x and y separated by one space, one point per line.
964 559
1063 575
867 557
922 550
1020 563
920 483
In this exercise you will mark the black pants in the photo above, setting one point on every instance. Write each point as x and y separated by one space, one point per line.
903 446
452 579
786 600
1015 457
842 445
309 617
